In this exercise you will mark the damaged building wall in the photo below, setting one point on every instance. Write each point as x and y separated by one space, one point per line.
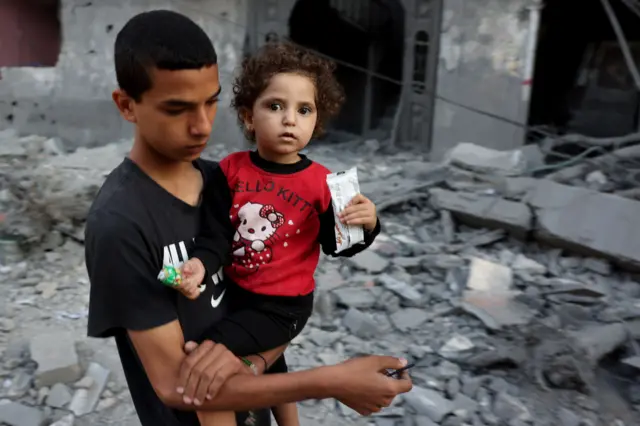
73 99
483 51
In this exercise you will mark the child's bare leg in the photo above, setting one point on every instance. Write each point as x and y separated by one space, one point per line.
286 414
217 418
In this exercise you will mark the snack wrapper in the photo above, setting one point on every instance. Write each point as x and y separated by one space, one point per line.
343 187
170 276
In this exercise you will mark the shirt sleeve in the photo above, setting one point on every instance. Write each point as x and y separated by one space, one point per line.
327 237
125 292
213 243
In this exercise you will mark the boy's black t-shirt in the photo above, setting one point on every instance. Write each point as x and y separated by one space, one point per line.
133 227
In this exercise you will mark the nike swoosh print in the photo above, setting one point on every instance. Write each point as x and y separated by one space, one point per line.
215 302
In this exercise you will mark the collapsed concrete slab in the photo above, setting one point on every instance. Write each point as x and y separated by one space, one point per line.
587 221
67 184
484 210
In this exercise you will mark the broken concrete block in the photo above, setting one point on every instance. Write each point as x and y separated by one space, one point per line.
85 399
588 221
59 396
488 276
369 261
360 324
480 159
57 359
429 403
497 309
523 264
15 414
401 288
484 210
66 185
64 421
408 318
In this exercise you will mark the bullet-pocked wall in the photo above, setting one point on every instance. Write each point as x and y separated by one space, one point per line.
483 64
72 100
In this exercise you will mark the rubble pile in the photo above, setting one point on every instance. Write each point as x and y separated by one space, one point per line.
515 296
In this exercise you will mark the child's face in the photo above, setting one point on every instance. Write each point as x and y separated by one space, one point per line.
284 117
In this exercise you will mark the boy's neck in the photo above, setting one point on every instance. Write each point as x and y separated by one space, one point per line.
154 164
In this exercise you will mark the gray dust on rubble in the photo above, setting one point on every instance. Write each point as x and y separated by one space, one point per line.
506 325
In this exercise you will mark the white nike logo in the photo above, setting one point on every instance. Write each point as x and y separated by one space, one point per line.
215 302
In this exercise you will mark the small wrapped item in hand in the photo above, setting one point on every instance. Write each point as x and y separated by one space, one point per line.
170 276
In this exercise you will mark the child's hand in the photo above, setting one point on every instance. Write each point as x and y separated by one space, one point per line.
360 211
192 275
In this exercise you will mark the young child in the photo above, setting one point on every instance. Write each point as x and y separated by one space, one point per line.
271 215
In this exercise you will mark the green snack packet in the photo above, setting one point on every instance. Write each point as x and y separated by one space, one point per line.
170 276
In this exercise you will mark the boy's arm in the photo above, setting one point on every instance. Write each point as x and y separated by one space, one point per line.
126 295
357 383
327 236
213 243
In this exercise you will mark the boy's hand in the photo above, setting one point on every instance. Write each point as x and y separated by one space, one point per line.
360 211
192 275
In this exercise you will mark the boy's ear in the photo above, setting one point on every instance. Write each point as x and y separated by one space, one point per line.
125 105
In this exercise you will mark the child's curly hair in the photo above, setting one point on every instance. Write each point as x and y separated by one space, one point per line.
285 57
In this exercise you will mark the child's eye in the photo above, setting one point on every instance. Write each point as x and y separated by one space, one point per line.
275 107
305 110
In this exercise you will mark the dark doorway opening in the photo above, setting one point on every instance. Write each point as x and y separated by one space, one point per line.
363 33
30 33
581 81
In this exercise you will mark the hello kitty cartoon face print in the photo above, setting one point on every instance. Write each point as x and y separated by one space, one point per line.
257 227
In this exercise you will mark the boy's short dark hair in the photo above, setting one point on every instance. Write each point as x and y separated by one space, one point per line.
159 39
285 57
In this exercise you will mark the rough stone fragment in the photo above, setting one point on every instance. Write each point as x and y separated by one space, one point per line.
590 221
401 288
59 396
409 318
508 408
484 210
15 414
56 357
360 324
429 403
64 421
599 266
497 309
568 418
481 159
369 261
448 226
361 298
488 276
463 402
455 345
69 183
523 264
84 400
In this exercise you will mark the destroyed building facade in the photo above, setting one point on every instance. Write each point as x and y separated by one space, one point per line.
422 72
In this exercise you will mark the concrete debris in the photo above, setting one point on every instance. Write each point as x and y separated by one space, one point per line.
59 396
15 414
56 357
86 397
484 210
605 226
489 320
479 159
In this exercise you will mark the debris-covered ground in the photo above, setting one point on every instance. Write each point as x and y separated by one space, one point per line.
476 278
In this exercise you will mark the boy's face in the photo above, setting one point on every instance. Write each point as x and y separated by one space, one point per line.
284 117
175 116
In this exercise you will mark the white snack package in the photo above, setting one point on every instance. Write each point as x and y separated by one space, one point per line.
343 187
